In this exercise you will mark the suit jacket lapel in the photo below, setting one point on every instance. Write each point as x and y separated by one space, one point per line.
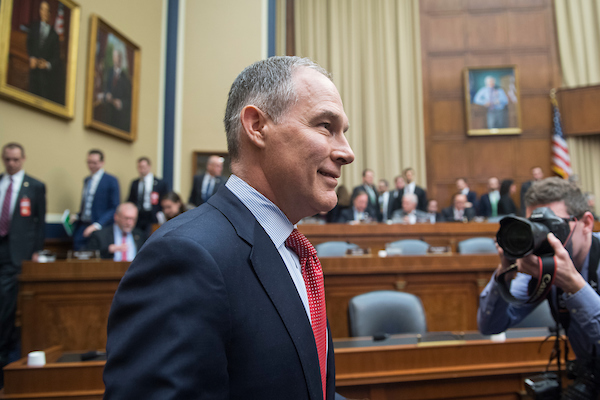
277 283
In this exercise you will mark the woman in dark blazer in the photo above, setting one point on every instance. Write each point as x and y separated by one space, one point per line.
506 205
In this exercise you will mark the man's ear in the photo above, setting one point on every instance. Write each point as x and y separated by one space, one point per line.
254 121
588 221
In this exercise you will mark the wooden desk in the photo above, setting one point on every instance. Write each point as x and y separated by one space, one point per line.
448 285
55 380
67 303
451 366
375 236
473 368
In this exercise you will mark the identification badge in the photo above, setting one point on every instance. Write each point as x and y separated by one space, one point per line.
154 198
25 207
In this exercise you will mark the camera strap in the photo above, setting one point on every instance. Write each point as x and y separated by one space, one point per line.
538 289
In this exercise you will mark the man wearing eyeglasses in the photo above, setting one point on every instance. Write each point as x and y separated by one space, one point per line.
574 299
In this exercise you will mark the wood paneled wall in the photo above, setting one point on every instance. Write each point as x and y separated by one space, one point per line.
474 33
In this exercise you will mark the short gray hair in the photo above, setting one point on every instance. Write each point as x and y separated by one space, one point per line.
268 85
551 190
412 197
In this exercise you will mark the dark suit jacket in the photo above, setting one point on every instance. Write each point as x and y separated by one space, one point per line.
485 206
106 199
422 196
208 311
524 188
506 205
100 240
196 195
448 214
373 207
44 82
345 215
472 198
27 233
119 88
160 187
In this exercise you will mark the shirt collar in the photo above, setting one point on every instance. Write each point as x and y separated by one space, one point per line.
268 215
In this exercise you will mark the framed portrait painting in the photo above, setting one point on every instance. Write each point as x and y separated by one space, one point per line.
112 83
492 100
38 53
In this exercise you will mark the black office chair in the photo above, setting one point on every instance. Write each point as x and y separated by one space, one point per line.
540 317
478 245
407 247
334 248
386 312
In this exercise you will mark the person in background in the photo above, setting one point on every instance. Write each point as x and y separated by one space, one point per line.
506 205
537 174
433 213
359 212
367 186
122 240
344 201
463 188
172 206
208 183
458 211
409 214
385 200
99 200
488 203
22 234
146 192
412 187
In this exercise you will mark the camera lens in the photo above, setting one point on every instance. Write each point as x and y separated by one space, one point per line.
516 238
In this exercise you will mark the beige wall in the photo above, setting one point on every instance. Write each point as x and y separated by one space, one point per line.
221 38
56 148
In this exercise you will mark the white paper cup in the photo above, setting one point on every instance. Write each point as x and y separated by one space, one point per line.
36 359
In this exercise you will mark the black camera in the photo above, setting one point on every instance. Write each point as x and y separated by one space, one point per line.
520 237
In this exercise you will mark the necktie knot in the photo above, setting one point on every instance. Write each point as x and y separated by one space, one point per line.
300 244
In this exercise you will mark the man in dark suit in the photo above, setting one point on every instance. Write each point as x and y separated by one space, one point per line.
146 192
463 188
369 188
99 200
488 203
22 232
116 96
458 212
537 174
359 210
411 187
218 304
44 57
396 195
208 183
122 240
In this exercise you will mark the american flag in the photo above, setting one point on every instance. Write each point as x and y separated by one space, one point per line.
59 23
561 161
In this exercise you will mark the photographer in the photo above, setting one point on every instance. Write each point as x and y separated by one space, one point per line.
574 294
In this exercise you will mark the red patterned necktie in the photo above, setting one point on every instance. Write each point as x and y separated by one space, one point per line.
313 278
5 218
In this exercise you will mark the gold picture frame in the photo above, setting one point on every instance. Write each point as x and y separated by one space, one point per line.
112 82
492 100
38 53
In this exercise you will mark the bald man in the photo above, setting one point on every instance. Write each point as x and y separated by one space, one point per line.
207 184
